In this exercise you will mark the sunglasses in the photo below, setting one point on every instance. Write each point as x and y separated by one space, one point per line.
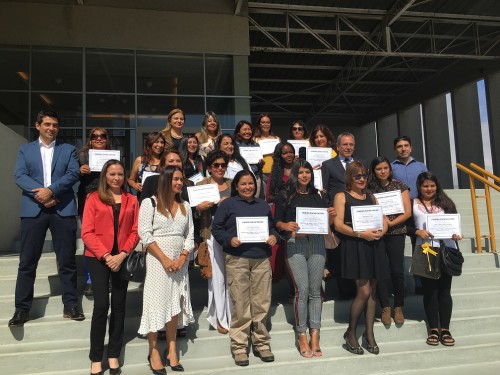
360 176
98 136
297 129
219 165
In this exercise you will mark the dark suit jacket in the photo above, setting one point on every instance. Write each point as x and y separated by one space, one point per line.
28 175
333 173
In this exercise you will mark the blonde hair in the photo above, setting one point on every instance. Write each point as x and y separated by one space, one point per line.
167 134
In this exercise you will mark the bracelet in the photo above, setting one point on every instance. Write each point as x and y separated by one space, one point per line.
183 254
358 234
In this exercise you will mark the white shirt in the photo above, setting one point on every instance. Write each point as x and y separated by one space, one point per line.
47 152
345 161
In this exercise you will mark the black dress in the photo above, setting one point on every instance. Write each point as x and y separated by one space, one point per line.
361 259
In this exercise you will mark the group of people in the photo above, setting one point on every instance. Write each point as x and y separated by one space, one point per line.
114 221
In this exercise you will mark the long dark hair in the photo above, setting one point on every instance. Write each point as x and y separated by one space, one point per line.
147 152
276 184
103 189
237 178
373 182
440 199
326 132
257 132
237 129
189 170
292 185
163 196
236 153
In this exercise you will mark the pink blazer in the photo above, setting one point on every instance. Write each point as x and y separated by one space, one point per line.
98 226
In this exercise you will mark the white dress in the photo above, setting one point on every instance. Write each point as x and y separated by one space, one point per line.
166 294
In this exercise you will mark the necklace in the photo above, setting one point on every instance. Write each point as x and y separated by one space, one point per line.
177 136
302 191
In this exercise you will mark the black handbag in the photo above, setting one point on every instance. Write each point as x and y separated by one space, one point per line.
451 259
134 267
426 262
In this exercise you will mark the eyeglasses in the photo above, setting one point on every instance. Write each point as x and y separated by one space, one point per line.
297 129
219 165
98 136
360 176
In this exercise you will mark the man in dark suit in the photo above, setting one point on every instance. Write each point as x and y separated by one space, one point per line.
333 172
46 171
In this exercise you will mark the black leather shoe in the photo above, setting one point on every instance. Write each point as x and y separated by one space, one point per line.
115 371
20 317
74 313
87 291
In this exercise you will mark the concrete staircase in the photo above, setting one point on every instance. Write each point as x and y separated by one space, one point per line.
49 344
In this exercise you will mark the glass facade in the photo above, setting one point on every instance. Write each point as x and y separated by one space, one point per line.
128 92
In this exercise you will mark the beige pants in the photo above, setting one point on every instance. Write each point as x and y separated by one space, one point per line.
249 282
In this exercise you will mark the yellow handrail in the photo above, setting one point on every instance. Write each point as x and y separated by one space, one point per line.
487 184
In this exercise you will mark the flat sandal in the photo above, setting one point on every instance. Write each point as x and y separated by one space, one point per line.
433 338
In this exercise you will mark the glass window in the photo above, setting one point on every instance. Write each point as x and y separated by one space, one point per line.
68 106
14 111
219 73
56 69
14 74
153 110
110 110
169 74
228 110
110 71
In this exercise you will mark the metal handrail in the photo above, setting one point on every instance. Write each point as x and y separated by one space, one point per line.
487 184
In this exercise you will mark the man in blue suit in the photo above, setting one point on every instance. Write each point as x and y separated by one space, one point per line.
46 171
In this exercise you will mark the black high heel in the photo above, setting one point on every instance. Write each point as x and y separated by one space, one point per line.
177 367
115 371
351 349
156 372
372 349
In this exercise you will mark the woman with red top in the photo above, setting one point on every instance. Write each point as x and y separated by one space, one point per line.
109 232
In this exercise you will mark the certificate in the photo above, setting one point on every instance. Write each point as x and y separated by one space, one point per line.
202 193
252 229
232 169
312 220
252 155
268 145
196 178
318 179
298 143
367 217
443 226
391 202
146 174
97 158
317 155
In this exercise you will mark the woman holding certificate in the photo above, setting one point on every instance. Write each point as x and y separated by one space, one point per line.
263 133
362 253
243 134
218 306
438 303
236 163
305 251
298 131
243 225
210 131
109 232
166 231
191 159
397 208
321 136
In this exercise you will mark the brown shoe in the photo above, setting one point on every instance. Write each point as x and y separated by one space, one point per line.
386 316
241 359
264 354
399 317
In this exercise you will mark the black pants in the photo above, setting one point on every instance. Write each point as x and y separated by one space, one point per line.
100 275
438 303
33 231
395 250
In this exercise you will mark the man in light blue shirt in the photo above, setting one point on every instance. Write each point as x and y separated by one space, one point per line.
405 168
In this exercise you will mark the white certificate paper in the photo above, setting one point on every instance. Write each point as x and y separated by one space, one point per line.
97 158
147 174
268 145
196 178
312 220
252 155
443 226
298 143
232 169
318 179
202 193
367 217
252 229
317 155
391 202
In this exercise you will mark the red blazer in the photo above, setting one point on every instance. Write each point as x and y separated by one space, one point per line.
98 225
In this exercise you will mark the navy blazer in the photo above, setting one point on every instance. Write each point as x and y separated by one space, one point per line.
332 172
28 175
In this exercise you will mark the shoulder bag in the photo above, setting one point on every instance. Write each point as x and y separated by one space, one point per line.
451 259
